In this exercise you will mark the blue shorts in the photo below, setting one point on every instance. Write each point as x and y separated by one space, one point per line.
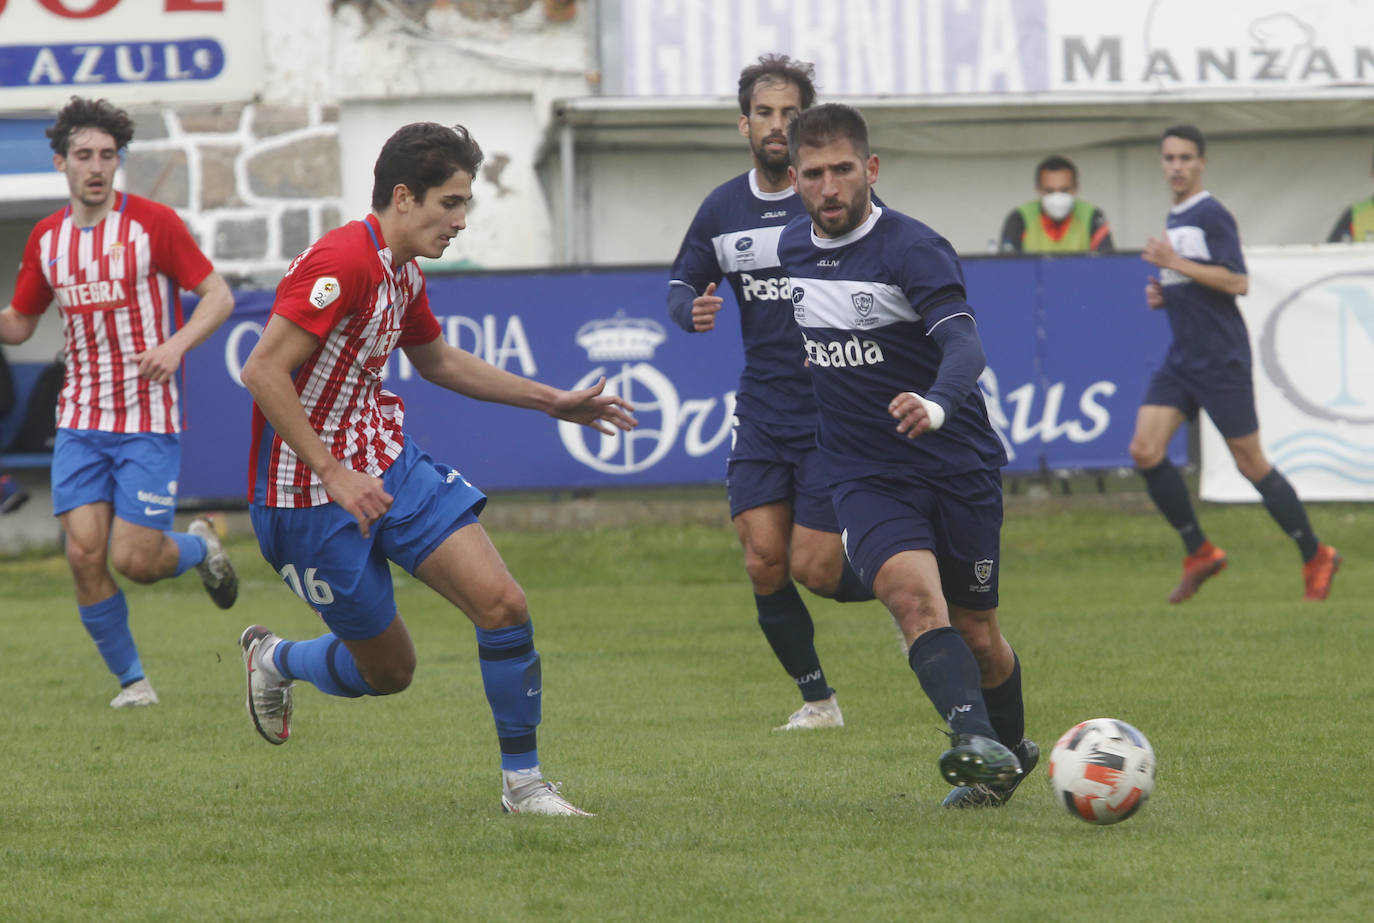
772 465
1226 393
957 518
344 577
136 472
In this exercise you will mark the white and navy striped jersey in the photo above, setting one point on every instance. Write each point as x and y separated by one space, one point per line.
118 286
865 303
344 290
735 235
1207 325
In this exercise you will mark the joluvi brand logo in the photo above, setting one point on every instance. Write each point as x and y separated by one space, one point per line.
662 413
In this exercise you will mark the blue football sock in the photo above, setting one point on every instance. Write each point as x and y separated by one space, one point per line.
325 663
787 625
1283 504
191 550
514 687
107 622
1166 488
1006 709
950 677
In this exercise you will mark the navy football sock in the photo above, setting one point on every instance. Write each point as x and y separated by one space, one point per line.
1166 488
325 663
191 550
852 588
788 627
514 685
1006 710
949 675
107 622
1283 504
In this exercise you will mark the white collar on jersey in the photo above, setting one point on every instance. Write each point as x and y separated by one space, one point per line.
767 196
829 243
1190 202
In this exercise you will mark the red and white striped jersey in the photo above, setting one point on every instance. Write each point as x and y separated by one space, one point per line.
345 292
118 285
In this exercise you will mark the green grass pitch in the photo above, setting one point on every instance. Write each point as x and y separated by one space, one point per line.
660 693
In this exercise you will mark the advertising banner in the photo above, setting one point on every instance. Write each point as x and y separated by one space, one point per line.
1310 313
979 47
129 51
1069 345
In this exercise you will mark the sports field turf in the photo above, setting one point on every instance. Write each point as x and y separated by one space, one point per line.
660 693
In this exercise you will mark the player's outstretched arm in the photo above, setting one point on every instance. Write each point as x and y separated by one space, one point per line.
463 373
216 304
267 376
15 326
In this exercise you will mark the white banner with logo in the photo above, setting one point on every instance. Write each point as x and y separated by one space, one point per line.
941 47
129 51
1311 317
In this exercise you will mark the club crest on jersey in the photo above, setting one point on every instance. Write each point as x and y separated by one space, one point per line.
863 303
744 243
982 570
116 250
325 292
798 309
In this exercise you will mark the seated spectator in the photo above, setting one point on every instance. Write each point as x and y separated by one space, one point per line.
1356 223
1058 221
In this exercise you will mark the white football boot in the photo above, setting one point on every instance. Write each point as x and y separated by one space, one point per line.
218 575
269 696
536 796
822 714
137 693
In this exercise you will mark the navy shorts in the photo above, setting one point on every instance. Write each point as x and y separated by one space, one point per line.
773 465
135 472
958 518
1226 393
344 577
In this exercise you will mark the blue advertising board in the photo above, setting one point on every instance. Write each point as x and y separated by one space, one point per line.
1069 343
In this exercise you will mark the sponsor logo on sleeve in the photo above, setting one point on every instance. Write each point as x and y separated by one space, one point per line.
325 292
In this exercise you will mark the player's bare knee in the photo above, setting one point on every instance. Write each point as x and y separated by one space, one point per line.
916 611
818 573
767 571
138 567
979 641
1145 455
505 609
392 678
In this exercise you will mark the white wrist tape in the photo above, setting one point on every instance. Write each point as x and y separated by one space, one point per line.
933 410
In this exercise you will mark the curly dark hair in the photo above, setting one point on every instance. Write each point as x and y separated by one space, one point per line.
82 113
422 155
777 68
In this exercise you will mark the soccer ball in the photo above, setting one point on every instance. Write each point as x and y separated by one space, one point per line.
1102 770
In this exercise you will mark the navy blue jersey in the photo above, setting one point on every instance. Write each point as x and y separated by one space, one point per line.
1207 326
735 234
866 303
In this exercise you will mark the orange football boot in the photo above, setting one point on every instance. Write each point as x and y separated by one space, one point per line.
1207 561
1318 573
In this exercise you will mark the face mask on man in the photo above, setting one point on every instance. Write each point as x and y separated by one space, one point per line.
1057 204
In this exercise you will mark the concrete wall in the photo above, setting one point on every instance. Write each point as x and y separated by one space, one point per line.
1282 190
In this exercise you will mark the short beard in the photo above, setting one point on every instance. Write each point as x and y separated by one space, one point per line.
773 168
853 217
